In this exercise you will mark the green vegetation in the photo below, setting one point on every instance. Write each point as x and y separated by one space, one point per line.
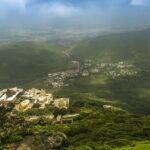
145 145
99 79
131 93
132 46
21 63
107 129
118 128
95 128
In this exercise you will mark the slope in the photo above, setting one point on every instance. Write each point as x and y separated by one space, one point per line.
26 61
134 46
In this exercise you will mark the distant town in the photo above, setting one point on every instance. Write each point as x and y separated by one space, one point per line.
87 68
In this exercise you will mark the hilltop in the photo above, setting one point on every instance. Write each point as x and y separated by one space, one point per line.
91 126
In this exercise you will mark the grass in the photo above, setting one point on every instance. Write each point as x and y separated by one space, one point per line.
100 129
95 127
21 63
144 145
99 79
133 46
123 92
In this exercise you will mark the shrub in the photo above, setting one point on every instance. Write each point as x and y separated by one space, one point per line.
15 138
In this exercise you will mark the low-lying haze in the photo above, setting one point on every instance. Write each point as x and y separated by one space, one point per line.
71 15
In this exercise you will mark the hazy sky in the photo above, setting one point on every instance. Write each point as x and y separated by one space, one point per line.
74 12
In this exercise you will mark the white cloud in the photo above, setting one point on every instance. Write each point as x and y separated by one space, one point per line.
59 9
13 5
47 9
14 2
138 2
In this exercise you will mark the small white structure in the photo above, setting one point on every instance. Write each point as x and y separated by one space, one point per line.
58 118
3 92
43 98
57 84
94 70
31 94
85 73
61 103
10 95
107 106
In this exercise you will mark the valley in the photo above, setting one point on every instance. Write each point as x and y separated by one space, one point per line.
91 94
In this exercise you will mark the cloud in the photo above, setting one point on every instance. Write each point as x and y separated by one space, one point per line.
62 8
59 9
75 12
47 8
139 2
11 6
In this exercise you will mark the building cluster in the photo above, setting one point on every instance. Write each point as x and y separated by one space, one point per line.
86 68
24 100
64 78
36 96
115 70
60 79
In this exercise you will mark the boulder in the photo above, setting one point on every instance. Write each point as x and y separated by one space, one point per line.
40 141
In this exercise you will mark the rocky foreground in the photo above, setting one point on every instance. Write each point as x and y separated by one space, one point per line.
51 141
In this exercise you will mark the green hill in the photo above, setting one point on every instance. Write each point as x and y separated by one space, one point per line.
95 128
132 92
134 46
26 61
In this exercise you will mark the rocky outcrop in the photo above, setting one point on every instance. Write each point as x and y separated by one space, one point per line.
42 141
56 141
